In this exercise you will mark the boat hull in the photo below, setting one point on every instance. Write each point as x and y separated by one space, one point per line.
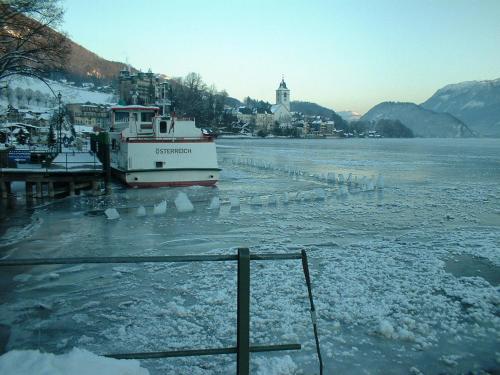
171 178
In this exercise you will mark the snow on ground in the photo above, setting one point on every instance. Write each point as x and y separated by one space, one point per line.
405 279
76 362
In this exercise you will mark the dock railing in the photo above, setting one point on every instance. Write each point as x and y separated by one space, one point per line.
243 346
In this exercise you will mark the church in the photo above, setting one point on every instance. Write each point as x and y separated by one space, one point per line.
281 110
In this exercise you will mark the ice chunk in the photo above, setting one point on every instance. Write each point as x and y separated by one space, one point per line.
349 179
182 203
272 200
214 204
370 186
286 197
343 191
235 202
160 208
386 329
112 213
330 177
256 201
141 211
319 194
380 182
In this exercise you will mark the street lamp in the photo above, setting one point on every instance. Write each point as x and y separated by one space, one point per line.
59 120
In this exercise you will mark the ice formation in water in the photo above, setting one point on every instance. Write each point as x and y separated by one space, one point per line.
341 178
234 201
141 211
112 214
214 204
76 362
160 208
380 181
182 203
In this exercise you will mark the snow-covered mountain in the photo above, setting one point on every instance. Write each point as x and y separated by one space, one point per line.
423 122
349 115
477 103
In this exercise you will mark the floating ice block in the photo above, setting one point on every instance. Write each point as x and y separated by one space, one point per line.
214 204
272 201
160 208
286 197
235 201
141 211
380 182
182 203
112 214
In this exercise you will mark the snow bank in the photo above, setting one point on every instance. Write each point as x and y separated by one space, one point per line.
76 362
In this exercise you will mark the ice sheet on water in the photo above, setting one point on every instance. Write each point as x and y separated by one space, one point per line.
112 213
76 362
160 208
182 203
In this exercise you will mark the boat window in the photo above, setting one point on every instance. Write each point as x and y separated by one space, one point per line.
113 144
146 116
159 164
163 126
135 116
146 126
121 116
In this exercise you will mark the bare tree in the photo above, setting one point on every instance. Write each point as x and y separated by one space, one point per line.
19 93
29 44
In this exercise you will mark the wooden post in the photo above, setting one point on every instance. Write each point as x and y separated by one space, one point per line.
95 189
243 313
29 190
71 188
39 190
3 189
52 193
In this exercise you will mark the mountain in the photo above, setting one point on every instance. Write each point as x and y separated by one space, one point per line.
84 65
423 122
477 103
349 115
313 109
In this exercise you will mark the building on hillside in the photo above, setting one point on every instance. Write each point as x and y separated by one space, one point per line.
264 119
88 114
137 88
281 110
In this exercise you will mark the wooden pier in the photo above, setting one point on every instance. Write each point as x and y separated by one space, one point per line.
67 174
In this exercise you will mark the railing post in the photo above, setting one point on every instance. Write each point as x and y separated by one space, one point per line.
243 313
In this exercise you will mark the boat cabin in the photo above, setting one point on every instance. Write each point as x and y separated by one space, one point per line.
141 121
138 119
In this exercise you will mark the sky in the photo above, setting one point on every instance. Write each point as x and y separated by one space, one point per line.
345 55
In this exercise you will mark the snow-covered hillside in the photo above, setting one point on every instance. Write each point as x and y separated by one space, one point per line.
349 115
33 94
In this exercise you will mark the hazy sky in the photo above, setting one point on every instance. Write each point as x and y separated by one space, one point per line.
340 54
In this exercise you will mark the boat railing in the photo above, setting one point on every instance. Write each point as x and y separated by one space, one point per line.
172 139
243 346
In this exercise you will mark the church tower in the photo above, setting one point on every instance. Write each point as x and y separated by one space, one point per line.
283 95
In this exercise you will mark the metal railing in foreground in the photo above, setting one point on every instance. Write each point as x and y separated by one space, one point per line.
243 347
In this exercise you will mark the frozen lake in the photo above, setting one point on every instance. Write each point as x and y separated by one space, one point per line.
405 278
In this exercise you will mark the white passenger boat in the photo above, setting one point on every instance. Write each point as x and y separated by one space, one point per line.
149 150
